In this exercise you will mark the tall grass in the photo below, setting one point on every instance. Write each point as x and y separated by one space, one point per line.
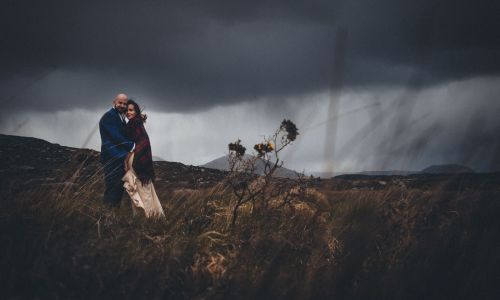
59 241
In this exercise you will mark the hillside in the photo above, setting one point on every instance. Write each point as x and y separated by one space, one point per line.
423 236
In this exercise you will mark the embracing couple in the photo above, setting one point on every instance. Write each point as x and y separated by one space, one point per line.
127 159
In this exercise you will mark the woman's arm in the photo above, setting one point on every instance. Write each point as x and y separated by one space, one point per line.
138 135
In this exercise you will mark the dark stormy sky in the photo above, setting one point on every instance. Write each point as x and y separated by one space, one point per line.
392 84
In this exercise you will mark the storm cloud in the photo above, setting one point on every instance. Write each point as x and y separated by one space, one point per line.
443 127
372 85
194 55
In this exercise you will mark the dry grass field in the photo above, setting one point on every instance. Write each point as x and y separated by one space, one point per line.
352 237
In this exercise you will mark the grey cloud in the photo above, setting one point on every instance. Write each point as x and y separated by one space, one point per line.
191 55
377 130
449 123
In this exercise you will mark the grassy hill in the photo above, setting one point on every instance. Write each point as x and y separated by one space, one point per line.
358 237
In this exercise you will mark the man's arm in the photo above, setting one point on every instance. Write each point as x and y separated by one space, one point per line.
114 132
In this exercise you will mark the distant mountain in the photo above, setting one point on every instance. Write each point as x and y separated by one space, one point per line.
327 174
222 163
434 169
447 169
368 173
388 173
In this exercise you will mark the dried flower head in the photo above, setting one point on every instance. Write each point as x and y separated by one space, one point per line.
263 148
290 129
237 148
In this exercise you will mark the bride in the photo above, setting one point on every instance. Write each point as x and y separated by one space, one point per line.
139 173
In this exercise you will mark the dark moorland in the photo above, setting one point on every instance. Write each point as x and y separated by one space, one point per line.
424 236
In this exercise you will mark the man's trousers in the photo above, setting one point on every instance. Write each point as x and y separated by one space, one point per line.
113 172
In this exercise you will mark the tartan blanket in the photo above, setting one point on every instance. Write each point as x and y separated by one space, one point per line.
143 158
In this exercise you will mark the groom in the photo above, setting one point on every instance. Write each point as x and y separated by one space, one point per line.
114 147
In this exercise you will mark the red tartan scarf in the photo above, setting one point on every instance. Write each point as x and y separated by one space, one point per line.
143 159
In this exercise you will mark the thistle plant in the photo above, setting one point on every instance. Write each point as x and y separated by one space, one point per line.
265 191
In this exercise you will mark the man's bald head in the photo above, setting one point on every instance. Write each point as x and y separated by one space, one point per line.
121 96
120 102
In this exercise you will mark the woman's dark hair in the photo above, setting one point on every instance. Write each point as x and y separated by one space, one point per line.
137 110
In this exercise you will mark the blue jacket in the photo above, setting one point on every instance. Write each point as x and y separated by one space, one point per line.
114 142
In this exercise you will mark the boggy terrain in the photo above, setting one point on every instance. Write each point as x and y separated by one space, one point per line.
350 237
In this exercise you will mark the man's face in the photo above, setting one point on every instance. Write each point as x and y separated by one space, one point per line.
120 104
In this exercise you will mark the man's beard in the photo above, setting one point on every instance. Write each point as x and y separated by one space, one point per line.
120 110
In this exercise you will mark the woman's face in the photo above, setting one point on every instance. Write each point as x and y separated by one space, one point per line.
130 111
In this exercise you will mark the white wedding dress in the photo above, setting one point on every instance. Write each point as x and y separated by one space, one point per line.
143 196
